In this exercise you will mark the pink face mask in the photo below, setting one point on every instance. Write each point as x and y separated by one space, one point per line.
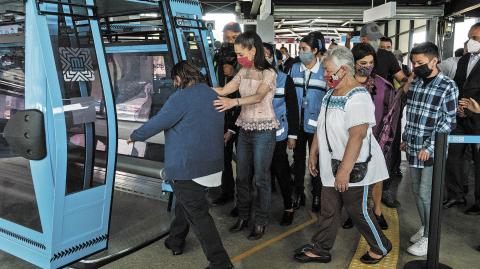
245 62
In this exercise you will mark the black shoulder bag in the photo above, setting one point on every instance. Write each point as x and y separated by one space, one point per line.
359 170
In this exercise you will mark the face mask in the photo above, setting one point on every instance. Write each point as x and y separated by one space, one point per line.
284 57
364 71
306 57
245 62
423 71
473 46
270 60
333 80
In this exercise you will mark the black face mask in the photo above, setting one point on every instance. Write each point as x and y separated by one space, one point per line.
423 71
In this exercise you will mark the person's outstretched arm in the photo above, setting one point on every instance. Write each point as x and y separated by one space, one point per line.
170 114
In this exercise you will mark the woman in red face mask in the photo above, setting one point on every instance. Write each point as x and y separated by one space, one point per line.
350 161
256 82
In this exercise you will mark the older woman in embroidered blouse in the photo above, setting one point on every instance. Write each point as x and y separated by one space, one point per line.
256 82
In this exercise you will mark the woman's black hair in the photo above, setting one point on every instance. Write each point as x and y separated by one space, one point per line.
361 50
251 40
269 48
315 40
188 73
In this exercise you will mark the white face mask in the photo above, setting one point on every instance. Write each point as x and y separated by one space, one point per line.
473 46
284 57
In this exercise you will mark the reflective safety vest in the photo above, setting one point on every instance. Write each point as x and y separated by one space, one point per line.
310 94
280 106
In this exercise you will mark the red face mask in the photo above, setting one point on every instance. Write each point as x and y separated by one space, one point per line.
333 80
245 62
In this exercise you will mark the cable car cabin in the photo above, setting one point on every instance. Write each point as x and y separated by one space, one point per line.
76 78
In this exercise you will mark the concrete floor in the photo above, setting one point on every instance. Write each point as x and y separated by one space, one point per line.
460 233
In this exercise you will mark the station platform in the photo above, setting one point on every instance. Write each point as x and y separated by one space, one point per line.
460 235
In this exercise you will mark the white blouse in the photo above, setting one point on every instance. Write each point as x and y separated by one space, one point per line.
344 112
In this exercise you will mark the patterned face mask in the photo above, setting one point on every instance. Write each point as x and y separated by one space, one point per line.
364 71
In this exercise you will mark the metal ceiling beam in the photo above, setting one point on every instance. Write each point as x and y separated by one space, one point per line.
311 29
351 12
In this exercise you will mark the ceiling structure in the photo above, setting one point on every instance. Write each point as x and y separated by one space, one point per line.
295 18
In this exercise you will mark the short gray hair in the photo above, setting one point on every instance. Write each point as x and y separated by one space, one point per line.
341 56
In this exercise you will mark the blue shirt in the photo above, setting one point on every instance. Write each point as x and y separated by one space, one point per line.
431 108
193 133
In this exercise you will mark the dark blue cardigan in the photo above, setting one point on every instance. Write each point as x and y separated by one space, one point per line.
193 133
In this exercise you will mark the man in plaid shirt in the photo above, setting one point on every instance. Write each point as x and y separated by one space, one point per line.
432 103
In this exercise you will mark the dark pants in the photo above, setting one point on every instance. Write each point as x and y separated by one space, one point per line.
299 159
228 182
191 208
396 152
355 202
281 171
456 176
254 153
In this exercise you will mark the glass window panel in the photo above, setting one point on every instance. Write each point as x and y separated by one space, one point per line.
140 28
141 84
82 94
17 194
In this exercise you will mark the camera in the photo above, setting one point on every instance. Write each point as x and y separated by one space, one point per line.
226 55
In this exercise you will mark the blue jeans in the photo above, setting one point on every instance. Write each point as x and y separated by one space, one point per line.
254 154
422 189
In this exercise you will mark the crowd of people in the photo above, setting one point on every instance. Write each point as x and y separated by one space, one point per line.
339 107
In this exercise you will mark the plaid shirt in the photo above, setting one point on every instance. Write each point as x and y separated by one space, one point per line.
430 109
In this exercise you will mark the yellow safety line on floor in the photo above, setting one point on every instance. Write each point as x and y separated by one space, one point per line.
274 240
393 233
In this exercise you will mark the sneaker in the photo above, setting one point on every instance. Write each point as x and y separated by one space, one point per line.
420 248
414 239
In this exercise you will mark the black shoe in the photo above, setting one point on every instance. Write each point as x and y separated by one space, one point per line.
382 222
257 232
234 212
348 224
454 202
304 248
299 201
316 203
239 225
287 218
175 251
222 200
478 248
391 203
474 210
303 258
367 259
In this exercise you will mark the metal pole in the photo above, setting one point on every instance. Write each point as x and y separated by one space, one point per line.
439 167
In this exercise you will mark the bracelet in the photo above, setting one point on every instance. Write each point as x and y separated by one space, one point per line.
238 102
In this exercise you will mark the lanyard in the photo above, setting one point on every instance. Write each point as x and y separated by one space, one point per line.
306 84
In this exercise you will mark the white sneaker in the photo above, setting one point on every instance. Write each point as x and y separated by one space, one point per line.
420 248
414 239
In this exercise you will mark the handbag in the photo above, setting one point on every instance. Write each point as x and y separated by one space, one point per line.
359 170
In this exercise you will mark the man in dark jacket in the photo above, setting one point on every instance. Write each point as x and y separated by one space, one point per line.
467 78
287 61
226 67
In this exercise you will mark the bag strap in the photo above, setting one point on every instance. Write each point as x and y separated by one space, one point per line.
328 141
